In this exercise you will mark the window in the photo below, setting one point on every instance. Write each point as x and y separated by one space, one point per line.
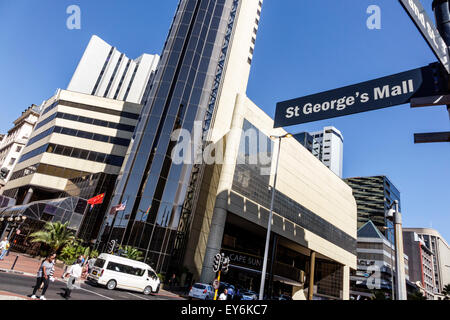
18 149
12 161
152 275
117 267
99 263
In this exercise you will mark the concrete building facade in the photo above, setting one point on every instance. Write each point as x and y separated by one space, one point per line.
421 263
328 147
13 144
376 264
77 134
105 72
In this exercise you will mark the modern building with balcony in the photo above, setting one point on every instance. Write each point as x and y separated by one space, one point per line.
374 196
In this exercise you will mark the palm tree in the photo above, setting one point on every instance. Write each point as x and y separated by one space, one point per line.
55 235
131 253
446 291
417 295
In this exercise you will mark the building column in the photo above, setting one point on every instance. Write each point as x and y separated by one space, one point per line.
346 283
28 196
219 217
312 266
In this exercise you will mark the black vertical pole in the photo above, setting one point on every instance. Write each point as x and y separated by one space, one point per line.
272 261
441 10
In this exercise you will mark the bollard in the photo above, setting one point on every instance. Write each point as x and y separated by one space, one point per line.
14 264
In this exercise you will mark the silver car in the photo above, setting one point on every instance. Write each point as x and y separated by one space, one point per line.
202 291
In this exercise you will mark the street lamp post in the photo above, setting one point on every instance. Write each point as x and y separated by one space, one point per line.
395 215
392 267
269 223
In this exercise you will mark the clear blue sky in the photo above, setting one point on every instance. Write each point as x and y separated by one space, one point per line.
303 47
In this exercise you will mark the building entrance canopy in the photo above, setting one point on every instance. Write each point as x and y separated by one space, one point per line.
69 209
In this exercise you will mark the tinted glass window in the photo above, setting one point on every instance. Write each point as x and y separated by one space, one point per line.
99 263
199 286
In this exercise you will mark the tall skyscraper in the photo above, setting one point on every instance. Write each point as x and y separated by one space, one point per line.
374 196
327 146
106 72
205 64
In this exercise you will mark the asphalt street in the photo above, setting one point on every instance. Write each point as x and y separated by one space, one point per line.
23 285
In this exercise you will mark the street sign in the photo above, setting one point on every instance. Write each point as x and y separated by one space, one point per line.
216 284
428 30
376 94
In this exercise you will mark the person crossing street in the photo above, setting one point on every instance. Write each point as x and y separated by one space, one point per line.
43 276
75 271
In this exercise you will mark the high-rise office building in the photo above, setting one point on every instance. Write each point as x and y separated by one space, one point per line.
106 72
327 146
374 196
77 134
440 250
12 145
182 214
192 83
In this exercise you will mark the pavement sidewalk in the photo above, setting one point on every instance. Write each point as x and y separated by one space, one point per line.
19 263
5 295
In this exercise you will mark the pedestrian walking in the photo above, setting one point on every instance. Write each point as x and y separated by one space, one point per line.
51 275
43 276
74 274
4 247
90 264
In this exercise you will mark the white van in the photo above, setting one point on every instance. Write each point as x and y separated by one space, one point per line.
118 272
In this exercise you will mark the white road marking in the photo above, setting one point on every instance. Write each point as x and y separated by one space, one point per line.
137 296
97 294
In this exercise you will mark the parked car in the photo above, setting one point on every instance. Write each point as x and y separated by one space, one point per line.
201 291
118 272
248 295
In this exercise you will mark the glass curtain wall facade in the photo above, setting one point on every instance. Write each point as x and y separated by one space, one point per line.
182 94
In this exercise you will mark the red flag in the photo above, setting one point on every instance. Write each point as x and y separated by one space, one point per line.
96 200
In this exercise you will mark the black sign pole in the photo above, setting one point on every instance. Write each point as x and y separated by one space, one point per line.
428 30
442 14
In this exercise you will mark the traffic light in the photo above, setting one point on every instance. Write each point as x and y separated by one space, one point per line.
4 173
111 247
225 264
217 262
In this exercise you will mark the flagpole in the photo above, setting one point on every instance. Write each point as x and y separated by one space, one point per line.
82 220
114 219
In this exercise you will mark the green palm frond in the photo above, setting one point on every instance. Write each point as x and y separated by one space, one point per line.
56 235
